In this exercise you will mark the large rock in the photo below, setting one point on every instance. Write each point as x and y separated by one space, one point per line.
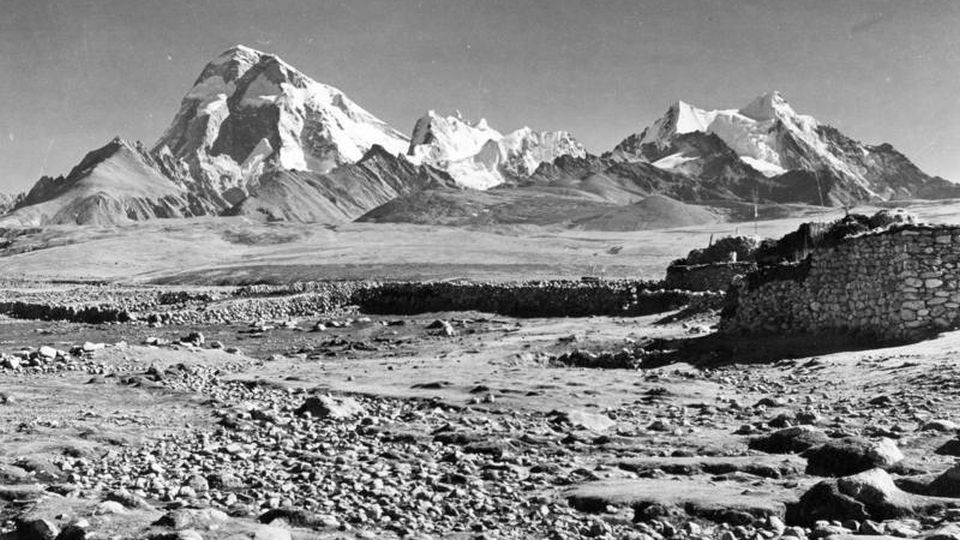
37 529
868 495
789 441
852 455
950 531
947 484
186 518
949 448
336 408
724 502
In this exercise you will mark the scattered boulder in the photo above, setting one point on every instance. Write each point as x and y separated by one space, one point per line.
583 420
947 484
89 347
790 440
194 338
37 529
851 455
939 425
868 495
442 328
184 518
949 448
297 517
335 408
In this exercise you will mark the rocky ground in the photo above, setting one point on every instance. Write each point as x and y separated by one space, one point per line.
470 425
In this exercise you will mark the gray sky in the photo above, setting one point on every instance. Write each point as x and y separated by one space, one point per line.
75 73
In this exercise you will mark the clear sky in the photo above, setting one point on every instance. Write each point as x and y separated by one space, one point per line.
75 73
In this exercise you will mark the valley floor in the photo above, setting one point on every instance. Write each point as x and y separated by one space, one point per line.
444 425
462 434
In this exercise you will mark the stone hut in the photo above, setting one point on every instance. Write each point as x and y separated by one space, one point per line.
895 284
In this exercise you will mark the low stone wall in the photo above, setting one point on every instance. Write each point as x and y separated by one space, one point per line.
901 283
55 312
519 299
706 277
523 299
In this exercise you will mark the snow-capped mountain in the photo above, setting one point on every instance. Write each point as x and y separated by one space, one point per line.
754 132
250 112
771 138
255 137
480 157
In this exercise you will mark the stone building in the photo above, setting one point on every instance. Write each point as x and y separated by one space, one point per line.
896 284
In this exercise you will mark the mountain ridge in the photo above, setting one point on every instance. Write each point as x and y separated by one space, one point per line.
254 136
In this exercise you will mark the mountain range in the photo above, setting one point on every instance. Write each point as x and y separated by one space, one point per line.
258 138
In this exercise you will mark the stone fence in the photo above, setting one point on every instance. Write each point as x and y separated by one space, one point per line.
706 277
524 299
901 283
520 299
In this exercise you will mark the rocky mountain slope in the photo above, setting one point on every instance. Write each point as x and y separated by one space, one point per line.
112 184
341 195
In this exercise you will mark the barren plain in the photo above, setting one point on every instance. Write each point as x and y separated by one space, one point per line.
208 396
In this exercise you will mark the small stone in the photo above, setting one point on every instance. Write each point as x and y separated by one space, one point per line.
330 407
110 507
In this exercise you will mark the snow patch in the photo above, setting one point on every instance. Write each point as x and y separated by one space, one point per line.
763 167
673 162
261 91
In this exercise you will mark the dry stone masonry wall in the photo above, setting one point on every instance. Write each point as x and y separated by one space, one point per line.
525 299
901 283
245 304
706 277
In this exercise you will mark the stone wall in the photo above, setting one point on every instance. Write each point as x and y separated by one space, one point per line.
706 277
524 299
245 304
898 284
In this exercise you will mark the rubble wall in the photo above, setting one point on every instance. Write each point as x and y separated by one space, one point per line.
901 283
524 299
706 277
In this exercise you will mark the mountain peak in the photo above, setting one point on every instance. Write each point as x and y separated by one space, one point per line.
239 51
768 106
250 111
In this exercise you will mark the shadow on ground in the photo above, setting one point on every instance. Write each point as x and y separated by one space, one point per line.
716 350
